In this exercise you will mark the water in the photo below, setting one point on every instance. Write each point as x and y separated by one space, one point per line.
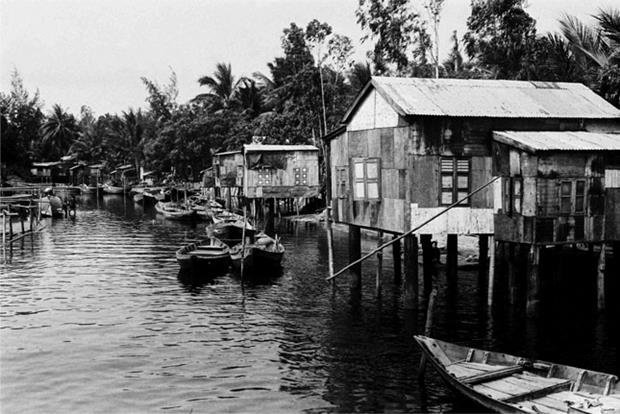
95 317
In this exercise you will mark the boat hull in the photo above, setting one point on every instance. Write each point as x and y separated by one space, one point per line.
209 256
111 189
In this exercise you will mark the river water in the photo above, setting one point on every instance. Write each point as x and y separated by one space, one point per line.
96 318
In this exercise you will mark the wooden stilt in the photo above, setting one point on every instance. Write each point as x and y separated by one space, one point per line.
512 274
396 257
411 272
491 271
483 254
427 262
330 243
533 281
355 253
428 326
379 263
269 218
451 259
243 240
600 279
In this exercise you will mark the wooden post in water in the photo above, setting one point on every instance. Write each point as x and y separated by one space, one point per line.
411 272
512 274
600 279
243 241
427 262
330 243
491 271
428 326
3 230
451 258
483 254
355 253
379 263
269 225
10 223
396 258
533 280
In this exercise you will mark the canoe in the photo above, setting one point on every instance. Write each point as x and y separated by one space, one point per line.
174 211
511 384
267 252
236 257
210 254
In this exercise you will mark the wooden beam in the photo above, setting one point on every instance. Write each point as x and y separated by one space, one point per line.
411 272
492 375
355 251
538 393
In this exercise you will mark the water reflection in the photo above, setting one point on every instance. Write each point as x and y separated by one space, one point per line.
103 293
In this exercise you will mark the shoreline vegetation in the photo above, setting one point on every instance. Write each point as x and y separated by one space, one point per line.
308 88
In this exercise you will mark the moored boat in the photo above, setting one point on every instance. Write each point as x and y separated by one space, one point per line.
210 254
231 232
174 211
507 383
267 251
240 253
110 188
89 189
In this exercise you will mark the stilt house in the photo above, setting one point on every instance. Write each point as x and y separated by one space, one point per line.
281 171
410 147
228 169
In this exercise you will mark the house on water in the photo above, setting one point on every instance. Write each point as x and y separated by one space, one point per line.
409 148
228 168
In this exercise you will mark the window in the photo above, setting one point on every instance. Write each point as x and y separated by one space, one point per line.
572 197
366 176
454 180
301 176
342 174
512 195
517 194
264 177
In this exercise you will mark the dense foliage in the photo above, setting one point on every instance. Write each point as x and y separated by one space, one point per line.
310 86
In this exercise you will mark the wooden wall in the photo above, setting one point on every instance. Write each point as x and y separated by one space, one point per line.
283 180
540 220
227 172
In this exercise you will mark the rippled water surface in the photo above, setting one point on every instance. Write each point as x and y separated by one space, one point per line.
95 318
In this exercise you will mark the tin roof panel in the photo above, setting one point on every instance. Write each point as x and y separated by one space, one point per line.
533 141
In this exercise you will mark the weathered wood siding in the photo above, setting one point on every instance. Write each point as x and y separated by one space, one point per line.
283 184
540 220
229 170
374 112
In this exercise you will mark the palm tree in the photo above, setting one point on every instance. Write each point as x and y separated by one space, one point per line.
58 132
597 50
222 85
126 136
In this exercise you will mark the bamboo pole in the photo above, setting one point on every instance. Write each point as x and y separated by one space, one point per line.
243 240
379 264
383 246
330 242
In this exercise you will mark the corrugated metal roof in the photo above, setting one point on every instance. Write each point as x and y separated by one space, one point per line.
228 153
489 98
534 141
262 147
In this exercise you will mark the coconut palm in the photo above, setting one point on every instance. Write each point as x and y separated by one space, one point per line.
222 85
58 132
126 137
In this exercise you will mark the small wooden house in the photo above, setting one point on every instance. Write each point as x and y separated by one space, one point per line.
45 172
228 169
554 186
281 171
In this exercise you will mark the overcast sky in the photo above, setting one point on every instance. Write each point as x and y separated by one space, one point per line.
94 52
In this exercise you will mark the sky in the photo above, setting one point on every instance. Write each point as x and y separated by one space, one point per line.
94 52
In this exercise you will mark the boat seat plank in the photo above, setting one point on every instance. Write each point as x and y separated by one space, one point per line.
528 376
482 367
491 392
461 371
489 376
506 387
541 392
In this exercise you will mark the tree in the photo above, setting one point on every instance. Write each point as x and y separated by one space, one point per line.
359 75
596 51
162 100
58 132
500 38
222 87
396 29
21 117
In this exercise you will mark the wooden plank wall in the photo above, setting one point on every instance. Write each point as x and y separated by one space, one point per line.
283 181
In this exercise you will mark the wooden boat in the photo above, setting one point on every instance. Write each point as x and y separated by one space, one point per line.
511 384
88 189
210 254
266 251
174 211
236 256
113 189
231 232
